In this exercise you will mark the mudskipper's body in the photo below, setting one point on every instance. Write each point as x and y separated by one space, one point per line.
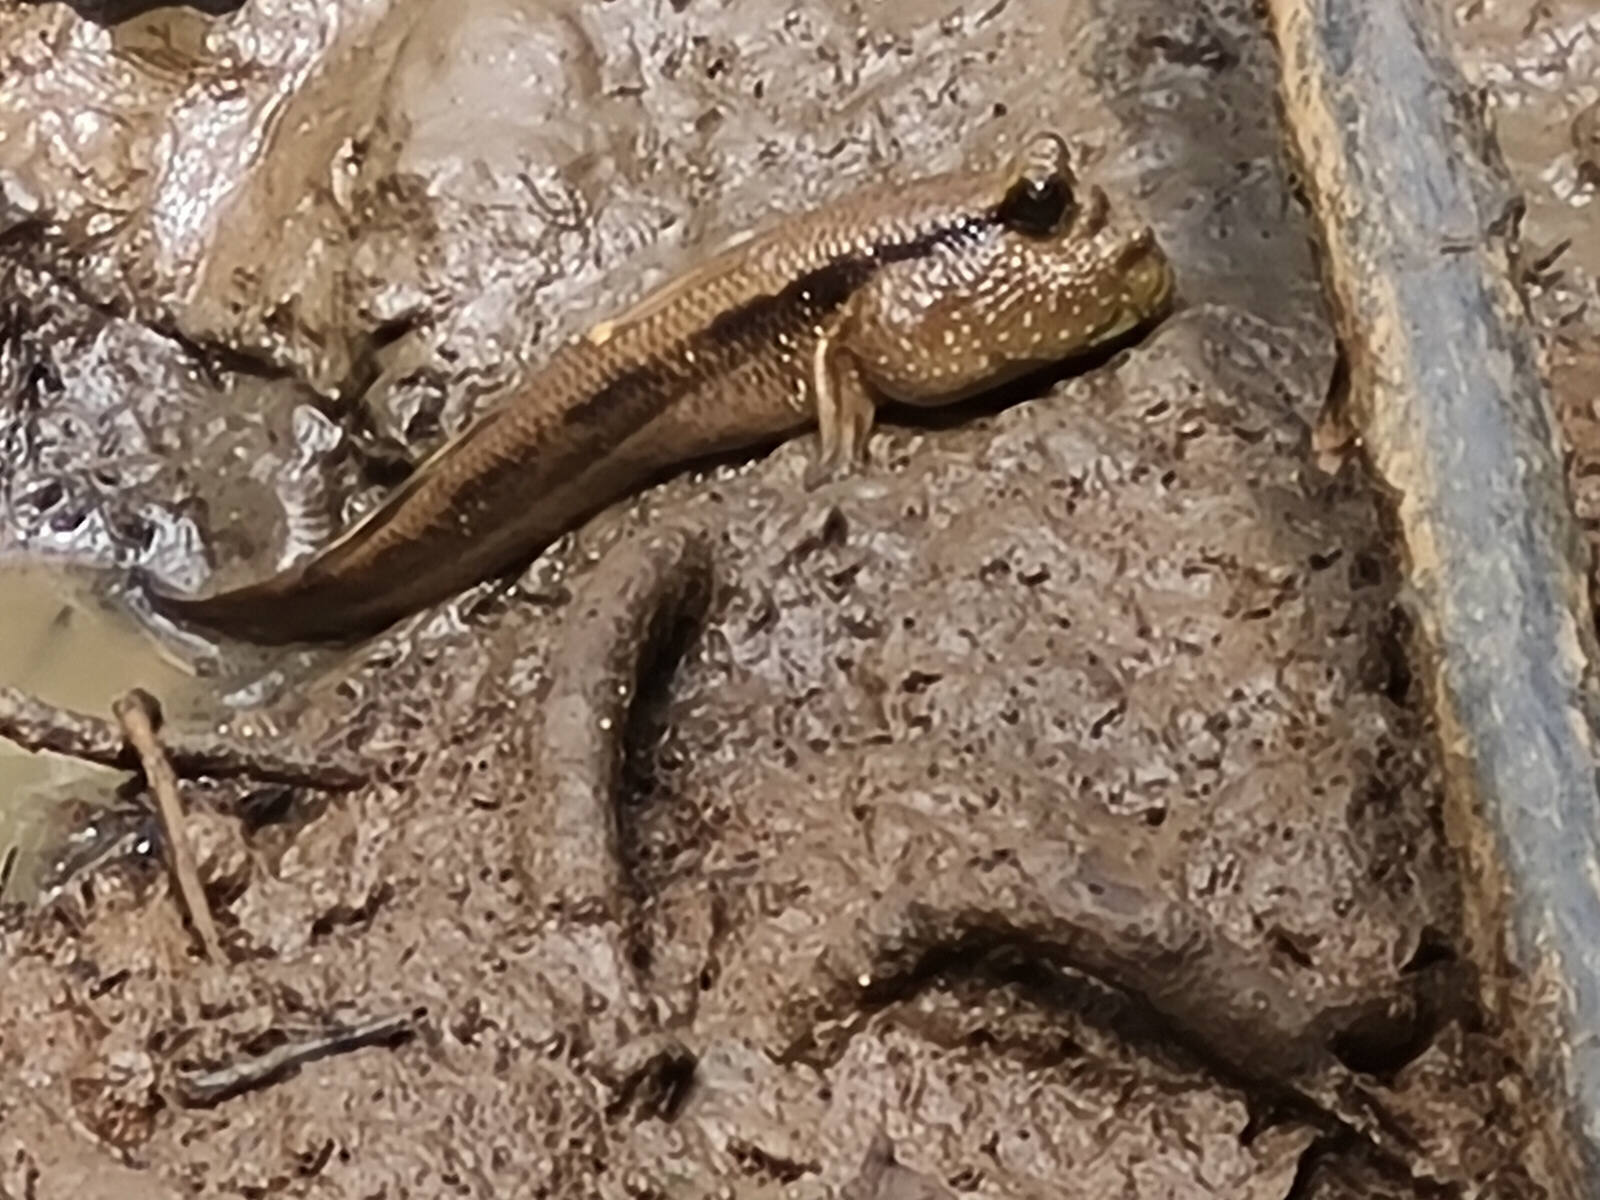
924 294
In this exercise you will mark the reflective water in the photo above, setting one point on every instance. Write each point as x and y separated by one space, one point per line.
63 644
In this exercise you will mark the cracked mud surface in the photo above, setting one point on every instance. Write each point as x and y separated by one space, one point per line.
1049 797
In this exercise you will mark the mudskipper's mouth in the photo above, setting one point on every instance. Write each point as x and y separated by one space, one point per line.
1144 287
1147 278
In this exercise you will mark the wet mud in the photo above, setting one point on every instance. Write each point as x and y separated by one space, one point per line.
1045 807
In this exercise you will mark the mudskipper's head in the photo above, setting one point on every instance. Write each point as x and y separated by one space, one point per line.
1073 273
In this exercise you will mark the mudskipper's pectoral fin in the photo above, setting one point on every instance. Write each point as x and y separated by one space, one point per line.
844 412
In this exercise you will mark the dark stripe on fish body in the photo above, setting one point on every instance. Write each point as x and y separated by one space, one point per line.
738 335
640 394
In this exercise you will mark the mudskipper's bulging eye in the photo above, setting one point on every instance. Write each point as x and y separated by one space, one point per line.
1040 201
1036 207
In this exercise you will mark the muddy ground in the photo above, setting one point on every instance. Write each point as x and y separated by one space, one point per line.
1540 62
1050 802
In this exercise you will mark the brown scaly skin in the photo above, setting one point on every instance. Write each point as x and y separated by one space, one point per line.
923 293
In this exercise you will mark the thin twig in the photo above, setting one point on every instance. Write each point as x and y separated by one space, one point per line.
139 715
198 1089
35 725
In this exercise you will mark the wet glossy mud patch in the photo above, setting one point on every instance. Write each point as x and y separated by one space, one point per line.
1537 64
984 796
873 920
1148 666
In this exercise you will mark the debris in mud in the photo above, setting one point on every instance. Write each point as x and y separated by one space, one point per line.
203 1088
140 716
37 726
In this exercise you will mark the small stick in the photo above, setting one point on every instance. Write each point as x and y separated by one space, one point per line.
139 714
35 725
199 1089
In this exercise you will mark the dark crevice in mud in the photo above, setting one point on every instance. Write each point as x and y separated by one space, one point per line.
1388 660
382 458
1376 1042
347 916
1096 1003
1372 1039
211 358
653 829
386 333
266 807
1307 1172
1336 403
655 1088
625 636
1338 1163
758 1163
271 817
114 12
996 959
1433 949
1263 1115
990 962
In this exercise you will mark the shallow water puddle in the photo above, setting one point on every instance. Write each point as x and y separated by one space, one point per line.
66 646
